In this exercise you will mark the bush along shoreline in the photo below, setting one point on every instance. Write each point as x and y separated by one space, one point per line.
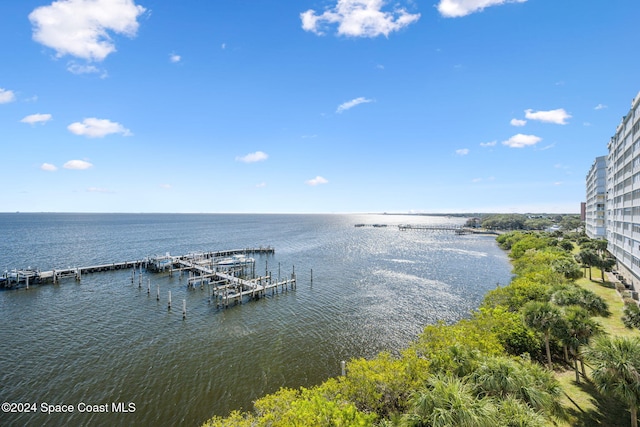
505 365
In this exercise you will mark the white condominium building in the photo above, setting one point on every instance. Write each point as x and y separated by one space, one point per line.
596 195
623 194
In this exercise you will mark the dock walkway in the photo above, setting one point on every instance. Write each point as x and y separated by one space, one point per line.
25 277
229 288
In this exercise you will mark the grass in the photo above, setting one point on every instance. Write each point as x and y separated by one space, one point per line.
585 406
612 324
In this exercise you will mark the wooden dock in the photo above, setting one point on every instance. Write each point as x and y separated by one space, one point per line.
226 288
23 278
454 228
424 227
229 274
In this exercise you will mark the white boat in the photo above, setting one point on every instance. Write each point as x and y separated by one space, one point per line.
234 261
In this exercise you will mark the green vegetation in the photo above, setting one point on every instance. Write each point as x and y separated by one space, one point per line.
537 352
526 222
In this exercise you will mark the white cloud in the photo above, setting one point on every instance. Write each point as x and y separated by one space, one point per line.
558 116
6 96
518 122
316 181
520 140
458 8
258 156
175 58
77 165
36 118
75 68
261 185
99 190
488 144
48 167
97 128
600 107
350 104
462 151
81 27
358 18
166 186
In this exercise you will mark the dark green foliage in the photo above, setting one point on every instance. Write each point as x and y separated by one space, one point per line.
616 370
543 317
566 245
574 295
631 316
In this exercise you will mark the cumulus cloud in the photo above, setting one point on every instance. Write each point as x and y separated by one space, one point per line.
600 107
518 122
97 128
48 167
81 28
350 104
36 118
316 181
258 156
462 151
77 165
358 18
488 144
558 116
6 96
520 140
174 58
459 8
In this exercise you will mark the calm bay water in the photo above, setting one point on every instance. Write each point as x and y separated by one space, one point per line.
104 340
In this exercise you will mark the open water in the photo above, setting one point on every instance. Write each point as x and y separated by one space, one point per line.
103 344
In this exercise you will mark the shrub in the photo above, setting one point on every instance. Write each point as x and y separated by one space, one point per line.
631 316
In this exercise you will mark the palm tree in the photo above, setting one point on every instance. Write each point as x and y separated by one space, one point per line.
515 413
529 383
616 370
575 295
542 317
580 328
450 401
588 258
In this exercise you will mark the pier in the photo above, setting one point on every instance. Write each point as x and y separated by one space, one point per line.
18 278
226 286
456 229
229 275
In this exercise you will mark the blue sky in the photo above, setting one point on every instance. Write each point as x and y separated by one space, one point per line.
309 106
